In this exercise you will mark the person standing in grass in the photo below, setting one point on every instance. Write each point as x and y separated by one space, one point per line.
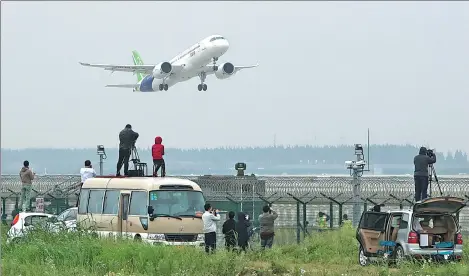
210 227
346 222
321 221
27 177
242 229
266 221
229 230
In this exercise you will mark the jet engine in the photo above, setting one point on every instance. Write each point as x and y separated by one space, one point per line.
224 71
162 69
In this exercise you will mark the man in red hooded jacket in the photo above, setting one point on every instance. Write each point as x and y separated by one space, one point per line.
157 151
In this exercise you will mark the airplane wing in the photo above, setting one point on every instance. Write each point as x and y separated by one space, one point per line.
146 69
208 69
237 68
123 85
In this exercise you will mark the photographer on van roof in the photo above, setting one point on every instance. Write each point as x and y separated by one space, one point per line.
127 139
421 163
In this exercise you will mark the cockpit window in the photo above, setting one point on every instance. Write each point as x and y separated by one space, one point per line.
216 38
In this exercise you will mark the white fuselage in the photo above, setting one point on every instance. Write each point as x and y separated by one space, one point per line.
193 61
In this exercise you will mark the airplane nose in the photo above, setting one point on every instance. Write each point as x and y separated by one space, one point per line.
223 45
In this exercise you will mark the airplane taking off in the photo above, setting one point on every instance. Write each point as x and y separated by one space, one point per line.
199 60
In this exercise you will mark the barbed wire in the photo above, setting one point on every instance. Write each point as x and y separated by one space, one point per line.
280 191
317 188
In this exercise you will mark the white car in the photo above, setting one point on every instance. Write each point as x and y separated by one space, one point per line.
68 219
24 222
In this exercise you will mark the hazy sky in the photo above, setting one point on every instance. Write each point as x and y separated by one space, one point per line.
328 70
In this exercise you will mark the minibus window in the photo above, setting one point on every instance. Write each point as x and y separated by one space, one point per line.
177 203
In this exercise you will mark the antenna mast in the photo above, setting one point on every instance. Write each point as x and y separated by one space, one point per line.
356 168
368 153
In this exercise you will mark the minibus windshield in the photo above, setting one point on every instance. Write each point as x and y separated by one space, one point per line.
177 203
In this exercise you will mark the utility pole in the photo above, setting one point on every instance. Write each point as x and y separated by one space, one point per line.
356 171
102 155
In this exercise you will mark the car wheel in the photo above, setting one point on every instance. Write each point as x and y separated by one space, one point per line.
16 240
399 255
137 238
362 259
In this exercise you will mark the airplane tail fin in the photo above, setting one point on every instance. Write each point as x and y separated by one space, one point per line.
137 61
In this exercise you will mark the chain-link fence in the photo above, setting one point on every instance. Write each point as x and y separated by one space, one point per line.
59 193
297 199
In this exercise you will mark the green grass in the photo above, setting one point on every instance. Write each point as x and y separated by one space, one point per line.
332 253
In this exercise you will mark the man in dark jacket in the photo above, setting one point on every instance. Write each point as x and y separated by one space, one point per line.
421 163
127 139
242 229
229 230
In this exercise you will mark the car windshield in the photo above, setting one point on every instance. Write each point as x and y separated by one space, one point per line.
177 203
63 215
70 214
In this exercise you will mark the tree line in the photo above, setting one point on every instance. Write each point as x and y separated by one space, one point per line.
68 160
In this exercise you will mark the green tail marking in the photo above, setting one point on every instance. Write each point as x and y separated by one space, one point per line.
137 61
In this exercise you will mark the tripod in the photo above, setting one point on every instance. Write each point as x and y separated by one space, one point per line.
139 169
432 173
134 156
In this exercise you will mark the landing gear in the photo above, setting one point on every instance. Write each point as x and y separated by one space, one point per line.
215 67
202 85
162 87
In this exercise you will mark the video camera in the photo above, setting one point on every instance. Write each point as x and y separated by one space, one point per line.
214 211
430 152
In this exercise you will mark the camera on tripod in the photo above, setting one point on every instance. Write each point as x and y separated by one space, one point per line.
432 172
430 152
139 168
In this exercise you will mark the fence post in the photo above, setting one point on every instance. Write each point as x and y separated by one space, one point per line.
304 225
457 215
4 214
305 222
401 206
368 199
298 224
267 200
356 199
331 209
32 199
341 211
56 203
17 199
234 201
